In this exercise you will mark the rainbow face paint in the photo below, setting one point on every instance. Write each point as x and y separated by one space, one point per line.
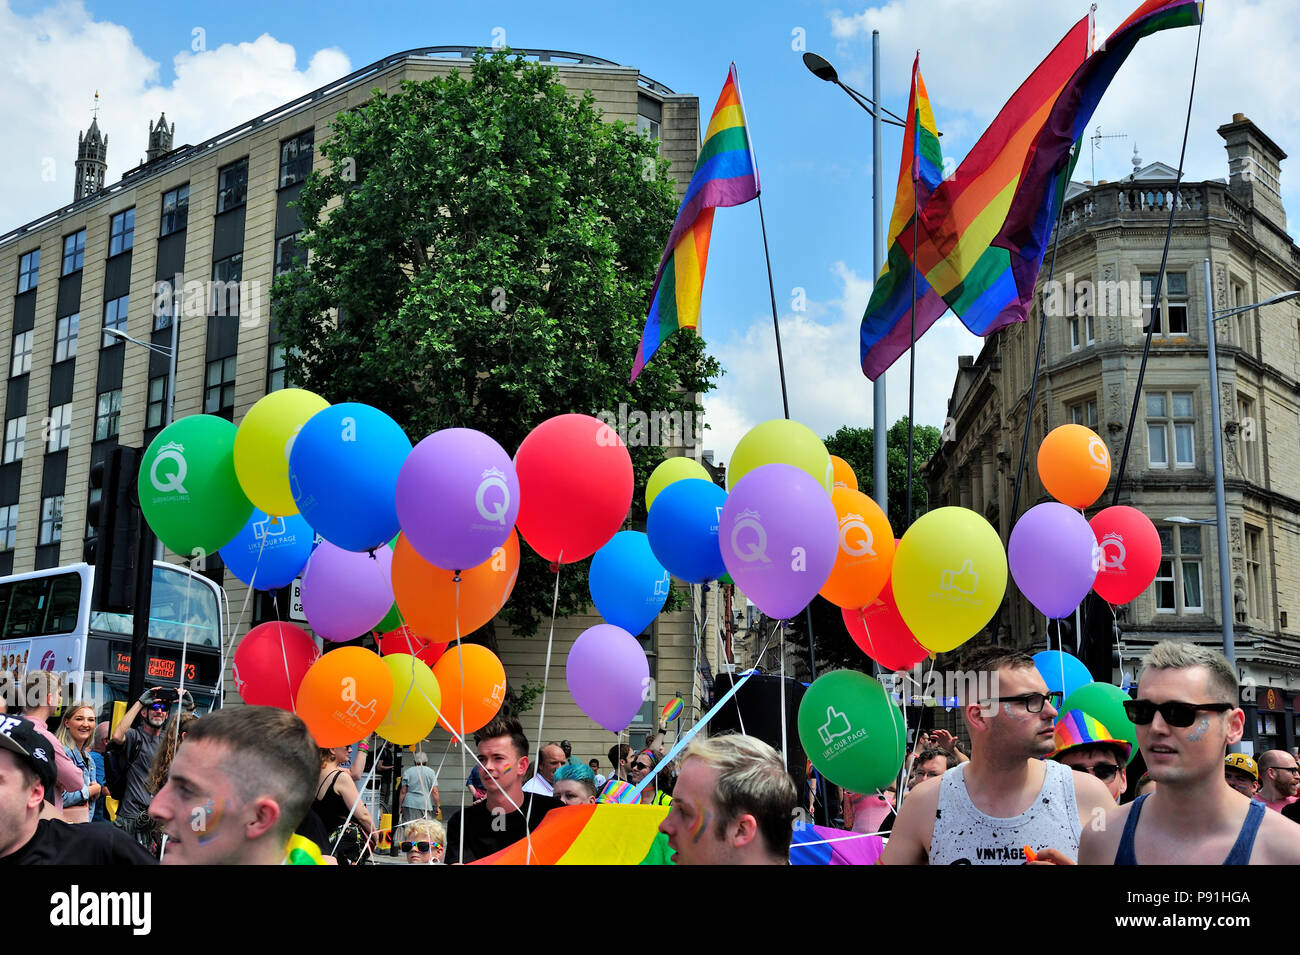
701 824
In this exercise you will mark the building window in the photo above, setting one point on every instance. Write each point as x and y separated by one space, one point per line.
115 318
165 299
65 337
1254 572
175 209
1178 581
74 251
8 526
1170 429
1084 413
1081 317
287 253
225 285
232 185
648 128
295 158
15 439
157 402
1172 319
29 267
121 233
1241 322
275 376
22 360
219 390
59 427
108 409
51 519
1248 438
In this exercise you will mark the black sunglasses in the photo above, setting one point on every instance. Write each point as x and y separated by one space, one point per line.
1103 771
422 846
1142 712
1033 701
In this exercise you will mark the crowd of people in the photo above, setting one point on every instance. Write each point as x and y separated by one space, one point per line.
248 785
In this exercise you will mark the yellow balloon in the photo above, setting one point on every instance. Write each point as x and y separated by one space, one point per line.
415 696
670 471
781 441
262 446
950 574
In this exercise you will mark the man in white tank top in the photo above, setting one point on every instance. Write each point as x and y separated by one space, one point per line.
1007 796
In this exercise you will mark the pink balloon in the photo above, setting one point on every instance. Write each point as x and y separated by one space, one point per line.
346 593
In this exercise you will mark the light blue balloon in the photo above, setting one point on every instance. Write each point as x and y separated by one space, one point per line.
270 551
343 475
1051 663
628 586
683 529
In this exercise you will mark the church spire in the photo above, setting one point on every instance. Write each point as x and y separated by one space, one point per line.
92 158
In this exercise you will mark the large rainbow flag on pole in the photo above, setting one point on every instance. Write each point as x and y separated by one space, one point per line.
725 175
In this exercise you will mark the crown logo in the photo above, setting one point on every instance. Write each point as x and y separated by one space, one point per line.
493 472
747 514
171 446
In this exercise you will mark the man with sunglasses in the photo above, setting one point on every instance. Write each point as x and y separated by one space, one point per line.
1006 796
1279 779
136 746
1086 746
1187 715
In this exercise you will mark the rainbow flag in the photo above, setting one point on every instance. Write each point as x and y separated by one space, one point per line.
725 175
820 845
886 327
1033 212
592 835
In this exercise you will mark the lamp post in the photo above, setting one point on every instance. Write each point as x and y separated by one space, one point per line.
822 69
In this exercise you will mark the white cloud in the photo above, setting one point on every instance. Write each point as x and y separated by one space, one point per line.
57 58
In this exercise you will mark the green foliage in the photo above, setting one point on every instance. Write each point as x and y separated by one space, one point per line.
482 250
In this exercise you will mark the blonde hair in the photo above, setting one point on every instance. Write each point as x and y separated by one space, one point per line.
64 736
1177 655
751 779
430 830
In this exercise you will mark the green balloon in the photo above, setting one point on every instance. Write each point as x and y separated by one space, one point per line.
726 579
188 489
392 620
852 731
1105 703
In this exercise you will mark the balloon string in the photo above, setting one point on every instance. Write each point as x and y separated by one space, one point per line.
460 668
784 757
546 676
908 759
243 612
374 823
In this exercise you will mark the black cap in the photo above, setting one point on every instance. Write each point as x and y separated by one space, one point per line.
20 737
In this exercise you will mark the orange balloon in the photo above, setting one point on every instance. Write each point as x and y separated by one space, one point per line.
426 595
1074 465
866 554
473 674
843 474
344 696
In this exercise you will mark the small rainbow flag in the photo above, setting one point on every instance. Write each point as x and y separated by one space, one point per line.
672 710
592 835
725 175
616 791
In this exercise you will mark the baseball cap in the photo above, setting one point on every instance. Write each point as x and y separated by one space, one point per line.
19 736
1244 763
1077 728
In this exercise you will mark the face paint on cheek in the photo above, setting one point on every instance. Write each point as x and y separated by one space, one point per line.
1198 734
205 820
701 824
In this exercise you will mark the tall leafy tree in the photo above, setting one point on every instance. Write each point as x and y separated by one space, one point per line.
481 254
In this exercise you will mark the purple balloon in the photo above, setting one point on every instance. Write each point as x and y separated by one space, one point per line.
1052 554
345 593
608 675
457 498
779 537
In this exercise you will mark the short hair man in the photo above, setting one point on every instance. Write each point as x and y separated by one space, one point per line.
1006 796
549 758
931 763
27 775
134 748
42 696
575 784
618 758
1279 779
507 814
1086 746
733 804
1187 715
1241 773
241 783
419 795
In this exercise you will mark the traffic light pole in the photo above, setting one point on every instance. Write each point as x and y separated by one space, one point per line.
140 611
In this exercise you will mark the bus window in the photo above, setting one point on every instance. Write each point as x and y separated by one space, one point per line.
26 608
183 609
64 604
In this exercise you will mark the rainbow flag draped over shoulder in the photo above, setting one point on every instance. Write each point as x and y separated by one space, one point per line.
725 175
886 328
1033 212
606 834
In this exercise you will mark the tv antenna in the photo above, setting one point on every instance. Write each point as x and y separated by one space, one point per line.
1096 139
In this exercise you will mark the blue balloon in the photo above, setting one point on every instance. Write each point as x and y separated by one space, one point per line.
683 529
628 586
1052 663
270 551
343 475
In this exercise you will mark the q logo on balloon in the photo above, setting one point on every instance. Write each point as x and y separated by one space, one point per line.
174 481
859 547
492 478
1113 560
755 550
1100 456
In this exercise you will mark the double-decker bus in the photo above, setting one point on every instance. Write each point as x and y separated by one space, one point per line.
47 623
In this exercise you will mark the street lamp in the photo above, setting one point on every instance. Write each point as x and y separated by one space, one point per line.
1220 506
822 69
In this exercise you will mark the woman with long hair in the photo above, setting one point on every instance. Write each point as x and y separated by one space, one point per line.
173 732
77 734
336 795
656 793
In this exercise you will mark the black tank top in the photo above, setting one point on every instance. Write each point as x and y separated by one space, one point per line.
331 807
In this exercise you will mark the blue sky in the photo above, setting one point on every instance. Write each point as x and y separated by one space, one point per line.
205 64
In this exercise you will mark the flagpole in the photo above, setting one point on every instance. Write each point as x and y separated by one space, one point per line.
880 471
776 325
911 351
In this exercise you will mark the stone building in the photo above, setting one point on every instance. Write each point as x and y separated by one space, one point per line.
1111 237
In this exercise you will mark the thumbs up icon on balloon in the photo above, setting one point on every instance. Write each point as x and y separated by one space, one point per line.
837 724
362 714
963 581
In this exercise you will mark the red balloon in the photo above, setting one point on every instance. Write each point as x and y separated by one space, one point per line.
881 634
406 640
1130 553
575 487
270 663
